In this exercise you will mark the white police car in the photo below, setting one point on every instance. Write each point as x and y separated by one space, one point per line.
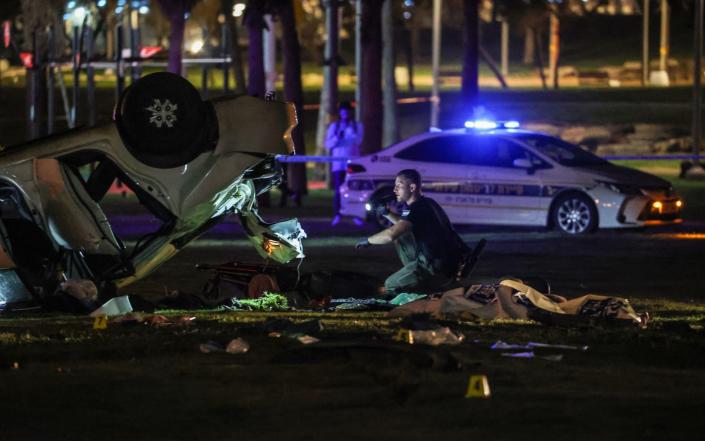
494 173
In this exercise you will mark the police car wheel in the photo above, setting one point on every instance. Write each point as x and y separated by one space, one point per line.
574 214
163 122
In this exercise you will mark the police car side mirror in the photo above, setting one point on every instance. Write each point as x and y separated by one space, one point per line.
525 164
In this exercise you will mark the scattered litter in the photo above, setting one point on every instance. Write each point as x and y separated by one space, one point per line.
211 346
478 387
500 345
81 289
355 304
62 370
115 306
435 337
157 320
531 354
307 339
546 345
406 297
237 346
100 322
274 334
132 318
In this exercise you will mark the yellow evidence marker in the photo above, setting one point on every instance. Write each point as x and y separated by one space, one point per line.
478 387
100 322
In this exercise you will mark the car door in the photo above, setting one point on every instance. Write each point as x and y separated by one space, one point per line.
439 160
501 191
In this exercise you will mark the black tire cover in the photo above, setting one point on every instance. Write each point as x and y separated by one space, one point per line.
163 122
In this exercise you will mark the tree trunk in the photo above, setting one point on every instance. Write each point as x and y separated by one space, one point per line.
470 87
327 112
255 59
38 14
409 52
554 49
529 46
293 92
175 11
235 53
391 124
539 56
371 76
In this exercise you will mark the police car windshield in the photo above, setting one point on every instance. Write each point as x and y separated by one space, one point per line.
562 152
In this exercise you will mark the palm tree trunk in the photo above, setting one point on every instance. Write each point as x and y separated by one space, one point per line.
470 87
329 93
255 60
235 53
529 46
174 12
391 124
293 92
371 76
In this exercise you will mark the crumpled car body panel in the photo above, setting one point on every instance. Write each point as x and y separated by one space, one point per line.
44 199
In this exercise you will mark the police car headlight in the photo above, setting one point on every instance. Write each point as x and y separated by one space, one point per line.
621 188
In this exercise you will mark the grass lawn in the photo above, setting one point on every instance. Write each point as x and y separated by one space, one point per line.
149 383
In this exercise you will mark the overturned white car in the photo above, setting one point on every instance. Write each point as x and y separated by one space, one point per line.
189 162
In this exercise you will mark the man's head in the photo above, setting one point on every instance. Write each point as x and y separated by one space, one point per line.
345 111
407 185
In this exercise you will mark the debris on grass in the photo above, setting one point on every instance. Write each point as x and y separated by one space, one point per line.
115 306
237 346
211 346
531 354
406 297
307 339
501 345
433 337
268 302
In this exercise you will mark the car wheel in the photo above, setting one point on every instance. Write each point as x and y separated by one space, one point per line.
163 121
575 214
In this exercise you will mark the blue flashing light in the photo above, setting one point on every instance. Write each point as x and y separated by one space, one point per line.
482 124
486 124
119 9
71 5
144 9
102 3
121 2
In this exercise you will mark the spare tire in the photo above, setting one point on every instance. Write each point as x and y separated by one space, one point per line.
163 121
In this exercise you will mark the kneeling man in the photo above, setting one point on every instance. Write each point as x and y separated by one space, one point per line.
428 246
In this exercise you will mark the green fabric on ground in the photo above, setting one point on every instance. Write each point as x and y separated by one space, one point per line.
268 302
406 297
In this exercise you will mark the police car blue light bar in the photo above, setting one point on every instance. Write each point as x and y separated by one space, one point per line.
486 124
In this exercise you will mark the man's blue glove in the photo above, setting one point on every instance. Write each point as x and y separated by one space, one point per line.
364 243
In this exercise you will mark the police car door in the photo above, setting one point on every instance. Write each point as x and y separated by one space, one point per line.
502 190
439 160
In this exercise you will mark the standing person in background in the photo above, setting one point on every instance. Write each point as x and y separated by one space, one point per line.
342 140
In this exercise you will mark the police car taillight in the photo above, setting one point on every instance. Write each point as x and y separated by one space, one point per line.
355 168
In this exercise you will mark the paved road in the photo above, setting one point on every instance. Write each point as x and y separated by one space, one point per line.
666 261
